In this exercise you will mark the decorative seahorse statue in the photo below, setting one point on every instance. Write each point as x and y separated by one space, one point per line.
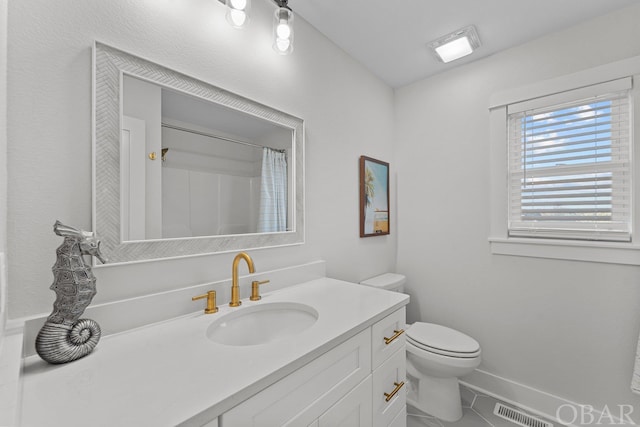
65 337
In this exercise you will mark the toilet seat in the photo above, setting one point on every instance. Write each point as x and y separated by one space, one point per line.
441 340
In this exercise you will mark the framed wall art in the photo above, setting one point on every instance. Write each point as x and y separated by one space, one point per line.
374 197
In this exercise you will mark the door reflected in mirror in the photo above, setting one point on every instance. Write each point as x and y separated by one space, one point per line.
190 167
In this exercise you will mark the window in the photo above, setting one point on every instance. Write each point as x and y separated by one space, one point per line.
569 170
564 167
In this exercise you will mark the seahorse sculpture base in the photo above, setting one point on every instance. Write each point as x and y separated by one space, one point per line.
65 337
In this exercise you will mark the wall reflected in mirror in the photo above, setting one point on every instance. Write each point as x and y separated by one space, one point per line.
190 167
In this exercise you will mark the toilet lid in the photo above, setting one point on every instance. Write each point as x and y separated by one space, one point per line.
442 340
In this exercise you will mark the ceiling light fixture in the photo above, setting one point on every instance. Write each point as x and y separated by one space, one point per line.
283 28
238 15
456 45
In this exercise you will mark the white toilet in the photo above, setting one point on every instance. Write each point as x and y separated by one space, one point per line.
436 357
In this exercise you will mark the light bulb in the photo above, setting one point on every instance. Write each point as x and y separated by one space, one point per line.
238 12
283 31
237 17
238 4
282 45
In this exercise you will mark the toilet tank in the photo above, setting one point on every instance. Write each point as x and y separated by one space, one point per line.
389 281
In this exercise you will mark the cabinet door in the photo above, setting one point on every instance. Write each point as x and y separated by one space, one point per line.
387 336
304 395
353 410
400 420
389 389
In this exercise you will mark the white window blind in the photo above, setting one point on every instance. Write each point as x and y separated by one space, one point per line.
570 165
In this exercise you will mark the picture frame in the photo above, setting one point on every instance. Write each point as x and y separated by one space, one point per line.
374 197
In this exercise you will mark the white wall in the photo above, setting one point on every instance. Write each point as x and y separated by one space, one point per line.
3 160
565 328
3 125
347 111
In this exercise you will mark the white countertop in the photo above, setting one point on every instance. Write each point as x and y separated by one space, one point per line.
171 373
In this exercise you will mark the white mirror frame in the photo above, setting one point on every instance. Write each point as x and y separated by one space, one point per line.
109 66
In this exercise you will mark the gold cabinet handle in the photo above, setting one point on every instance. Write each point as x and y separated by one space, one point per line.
389 396
396 334
255 291
152 155
211 302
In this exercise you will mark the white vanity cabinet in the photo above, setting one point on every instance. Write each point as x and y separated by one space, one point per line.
389 389
338 372
342 387
353 410
389 370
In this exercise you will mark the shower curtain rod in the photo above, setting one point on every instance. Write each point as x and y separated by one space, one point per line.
224 138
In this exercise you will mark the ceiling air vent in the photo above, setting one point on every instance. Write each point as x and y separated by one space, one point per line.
518 417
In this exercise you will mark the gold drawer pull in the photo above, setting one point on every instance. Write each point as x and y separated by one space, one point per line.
389 396
396 334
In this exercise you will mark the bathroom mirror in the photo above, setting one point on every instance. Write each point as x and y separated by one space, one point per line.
185 168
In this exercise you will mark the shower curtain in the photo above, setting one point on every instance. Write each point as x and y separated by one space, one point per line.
273 192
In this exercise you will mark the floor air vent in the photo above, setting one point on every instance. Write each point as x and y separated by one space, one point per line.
518 417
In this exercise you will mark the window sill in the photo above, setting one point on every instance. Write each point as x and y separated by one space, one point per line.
605 252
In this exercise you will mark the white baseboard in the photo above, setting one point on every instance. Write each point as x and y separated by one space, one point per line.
535 401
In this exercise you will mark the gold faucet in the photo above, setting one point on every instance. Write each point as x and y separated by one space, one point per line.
255 291
211 302
235 287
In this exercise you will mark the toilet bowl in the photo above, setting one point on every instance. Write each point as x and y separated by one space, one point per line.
436 357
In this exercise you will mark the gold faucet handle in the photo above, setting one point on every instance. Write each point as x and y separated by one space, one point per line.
255 290
211 302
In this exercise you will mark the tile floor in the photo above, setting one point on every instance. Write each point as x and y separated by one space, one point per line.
477 411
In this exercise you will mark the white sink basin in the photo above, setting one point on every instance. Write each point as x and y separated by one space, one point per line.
262 323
